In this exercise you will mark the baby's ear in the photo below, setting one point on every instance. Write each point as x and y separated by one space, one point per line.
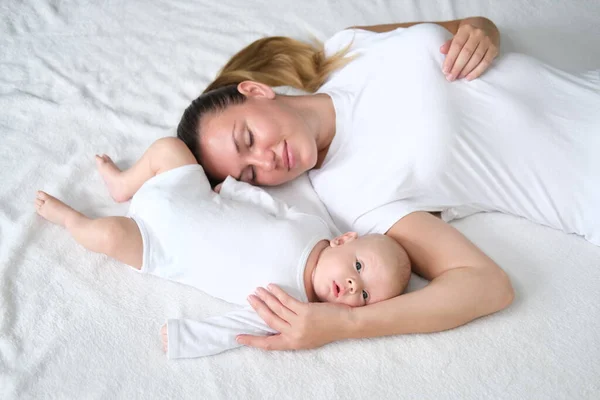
345 238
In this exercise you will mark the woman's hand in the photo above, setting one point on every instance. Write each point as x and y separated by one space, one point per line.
301 325
471 51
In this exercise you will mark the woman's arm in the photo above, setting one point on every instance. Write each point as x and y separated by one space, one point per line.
469 53
451 26
466 284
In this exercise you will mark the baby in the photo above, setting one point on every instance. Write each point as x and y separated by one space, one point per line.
226 244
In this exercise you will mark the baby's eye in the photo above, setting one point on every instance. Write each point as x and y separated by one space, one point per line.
365 295
358 266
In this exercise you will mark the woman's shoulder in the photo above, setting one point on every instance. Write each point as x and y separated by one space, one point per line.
350 38
356 38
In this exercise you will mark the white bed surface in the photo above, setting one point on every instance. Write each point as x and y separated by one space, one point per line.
79 78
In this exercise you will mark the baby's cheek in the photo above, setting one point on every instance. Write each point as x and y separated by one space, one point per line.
353 302
321 294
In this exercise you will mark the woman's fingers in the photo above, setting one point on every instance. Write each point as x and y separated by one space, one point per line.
474 61
464 55
265 311
274 342
314 326
456 45
483 65
285 299
279 301
469 53
446 47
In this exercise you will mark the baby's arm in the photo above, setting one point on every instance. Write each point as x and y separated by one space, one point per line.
188 339
163 155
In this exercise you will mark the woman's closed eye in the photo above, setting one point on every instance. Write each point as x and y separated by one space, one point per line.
250 174
250 142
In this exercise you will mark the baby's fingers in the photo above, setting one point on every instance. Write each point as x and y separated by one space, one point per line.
164 336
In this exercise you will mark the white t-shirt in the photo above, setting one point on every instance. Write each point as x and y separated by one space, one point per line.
226 245
522 139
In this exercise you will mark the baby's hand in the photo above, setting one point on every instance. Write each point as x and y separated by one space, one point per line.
164 337
217 188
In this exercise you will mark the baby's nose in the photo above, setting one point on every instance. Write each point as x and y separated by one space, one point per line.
353 285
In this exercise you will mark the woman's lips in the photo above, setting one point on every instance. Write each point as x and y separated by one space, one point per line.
290 157
285 157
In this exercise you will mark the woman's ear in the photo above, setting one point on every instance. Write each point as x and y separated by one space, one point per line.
345 238
256 89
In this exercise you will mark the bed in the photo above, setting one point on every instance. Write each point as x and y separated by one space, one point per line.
83 77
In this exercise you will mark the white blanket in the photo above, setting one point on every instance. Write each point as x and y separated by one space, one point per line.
79 78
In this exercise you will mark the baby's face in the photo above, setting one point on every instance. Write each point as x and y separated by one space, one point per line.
361 270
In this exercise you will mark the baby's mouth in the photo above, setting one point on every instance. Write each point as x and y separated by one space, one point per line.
336 290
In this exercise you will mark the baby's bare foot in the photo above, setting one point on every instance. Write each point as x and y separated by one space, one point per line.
53 209
112 178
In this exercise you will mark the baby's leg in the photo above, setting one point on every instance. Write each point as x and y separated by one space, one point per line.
163 155
117 237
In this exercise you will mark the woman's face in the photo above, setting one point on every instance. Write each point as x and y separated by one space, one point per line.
262 141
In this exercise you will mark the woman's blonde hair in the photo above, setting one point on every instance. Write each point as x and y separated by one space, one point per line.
280 61
274 61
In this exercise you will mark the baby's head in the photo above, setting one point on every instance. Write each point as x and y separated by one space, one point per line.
361 270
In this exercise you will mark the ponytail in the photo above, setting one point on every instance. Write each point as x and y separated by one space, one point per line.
280 61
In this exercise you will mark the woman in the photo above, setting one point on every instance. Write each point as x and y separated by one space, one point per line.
389 140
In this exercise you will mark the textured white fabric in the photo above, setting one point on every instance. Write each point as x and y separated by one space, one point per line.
523 139
82 77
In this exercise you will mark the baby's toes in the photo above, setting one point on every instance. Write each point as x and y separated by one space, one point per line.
107 159
43 196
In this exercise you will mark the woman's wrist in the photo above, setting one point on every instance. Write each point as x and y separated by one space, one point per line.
486 24
351 323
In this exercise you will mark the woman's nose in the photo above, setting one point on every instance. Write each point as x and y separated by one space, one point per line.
264 160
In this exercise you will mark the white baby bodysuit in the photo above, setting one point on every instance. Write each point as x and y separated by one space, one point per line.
226 245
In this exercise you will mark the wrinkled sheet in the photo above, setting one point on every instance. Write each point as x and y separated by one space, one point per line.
85 77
